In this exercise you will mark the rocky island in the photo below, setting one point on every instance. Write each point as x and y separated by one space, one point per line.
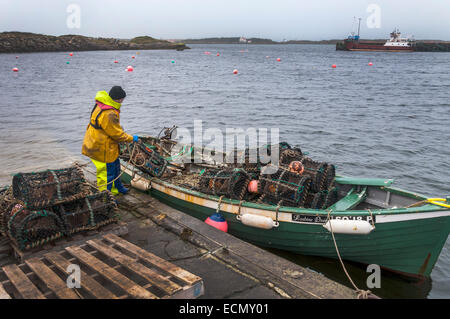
18 42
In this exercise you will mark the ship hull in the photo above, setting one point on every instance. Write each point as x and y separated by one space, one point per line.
356 46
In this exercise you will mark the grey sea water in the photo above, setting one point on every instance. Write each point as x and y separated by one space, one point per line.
389 120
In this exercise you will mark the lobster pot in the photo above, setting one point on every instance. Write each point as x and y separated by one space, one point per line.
318 173
322 199
28 229
289 155
290 188
229 183
87 213
147 160
50 187
7 202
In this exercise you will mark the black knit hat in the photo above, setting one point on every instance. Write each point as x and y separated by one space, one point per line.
117 93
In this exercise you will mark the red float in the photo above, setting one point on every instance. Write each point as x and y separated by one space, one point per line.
216 220
334 66
235 71
15 70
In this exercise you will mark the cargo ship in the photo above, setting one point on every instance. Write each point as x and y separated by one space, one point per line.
394 44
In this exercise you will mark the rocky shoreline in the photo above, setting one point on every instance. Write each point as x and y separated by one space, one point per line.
20 42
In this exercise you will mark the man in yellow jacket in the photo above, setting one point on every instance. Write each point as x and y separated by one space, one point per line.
102 138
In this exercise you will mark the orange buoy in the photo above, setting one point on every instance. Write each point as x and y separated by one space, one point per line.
296 167
235 71
218 221
71 53
253 186
278 59
334 66
15 70
370 63
130 68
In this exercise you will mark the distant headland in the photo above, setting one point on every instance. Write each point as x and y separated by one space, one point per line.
18 42
240 40
420 45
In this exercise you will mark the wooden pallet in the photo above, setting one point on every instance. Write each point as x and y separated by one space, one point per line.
120 228
111 268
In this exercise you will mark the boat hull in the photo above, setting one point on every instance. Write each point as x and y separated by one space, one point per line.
407 243
357 46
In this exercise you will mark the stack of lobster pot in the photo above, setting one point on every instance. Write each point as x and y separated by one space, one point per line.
251 159
278 185
323 192
41 207
231 183
143 157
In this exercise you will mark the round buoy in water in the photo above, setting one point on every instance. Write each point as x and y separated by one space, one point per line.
217 220
15 70
71 53
130 68
253 186
67 62
334 66
133 57
218 54
173 61
370 63
116 61
17 57
235 71
278 59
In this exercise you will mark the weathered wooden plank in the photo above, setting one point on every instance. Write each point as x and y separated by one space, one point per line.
172 269
88 283
113 275
23 285
51 279
128 262
3 293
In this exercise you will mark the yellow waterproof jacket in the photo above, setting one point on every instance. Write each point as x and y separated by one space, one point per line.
103 134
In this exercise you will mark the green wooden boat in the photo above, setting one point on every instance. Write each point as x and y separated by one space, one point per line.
373 222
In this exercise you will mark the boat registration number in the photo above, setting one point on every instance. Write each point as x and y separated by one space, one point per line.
302 218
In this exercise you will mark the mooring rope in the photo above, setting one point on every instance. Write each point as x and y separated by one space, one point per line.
362 294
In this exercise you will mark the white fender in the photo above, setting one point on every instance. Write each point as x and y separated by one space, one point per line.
257 221
354 227
141 183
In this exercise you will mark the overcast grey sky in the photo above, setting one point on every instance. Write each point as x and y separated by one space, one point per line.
275 19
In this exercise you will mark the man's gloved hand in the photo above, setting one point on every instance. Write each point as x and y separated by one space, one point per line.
135 138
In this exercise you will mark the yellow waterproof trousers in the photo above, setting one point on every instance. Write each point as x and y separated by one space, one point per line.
105 174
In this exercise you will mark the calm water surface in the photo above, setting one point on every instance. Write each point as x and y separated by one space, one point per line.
390 120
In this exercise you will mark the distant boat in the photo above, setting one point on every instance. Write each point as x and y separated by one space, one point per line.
394 44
